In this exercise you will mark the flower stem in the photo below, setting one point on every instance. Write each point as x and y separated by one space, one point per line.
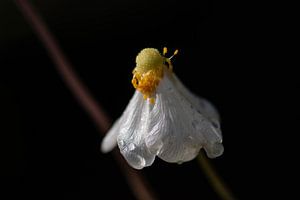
216 182
136 181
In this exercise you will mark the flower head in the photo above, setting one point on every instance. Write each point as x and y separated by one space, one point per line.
163 118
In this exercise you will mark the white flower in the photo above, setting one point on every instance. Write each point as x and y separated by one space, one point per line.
163 118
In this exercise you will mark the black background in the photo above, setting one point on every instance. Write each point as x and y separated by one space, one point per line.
49 145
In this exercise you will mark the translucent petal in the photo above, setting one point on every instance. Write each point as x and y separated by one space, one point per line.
201 104
174 128
133 128
177 130
110 139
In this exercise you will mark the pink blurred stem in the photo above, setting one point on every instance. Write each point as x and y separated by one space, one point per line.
137 183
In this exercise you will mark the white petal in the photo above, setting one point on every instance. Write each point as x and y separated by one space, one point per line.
201 104
133 128
212 135
177 129
110 139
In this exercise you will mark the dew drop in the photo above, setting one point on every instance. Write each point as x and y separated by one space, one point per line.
135 160
142 161
131 147
121 143
179 162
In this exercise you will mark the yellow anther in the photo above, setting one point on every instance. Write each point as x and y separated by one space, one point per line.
165 51
175 52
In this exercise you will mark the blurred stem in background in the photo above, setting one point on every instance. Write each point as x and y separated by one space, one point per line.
136 181
216 182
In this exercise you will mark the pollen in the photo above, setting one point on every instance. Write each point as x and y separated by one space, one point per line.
147 82
148 72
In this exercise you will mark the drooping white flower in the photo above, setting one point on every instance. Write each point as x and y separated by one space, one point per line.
163 118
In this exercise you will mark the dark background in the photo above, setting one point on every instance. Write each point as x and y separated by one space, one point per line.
50 147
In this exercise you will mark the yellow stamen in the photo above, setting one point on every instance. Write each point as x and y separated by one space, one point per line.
165 50
175 52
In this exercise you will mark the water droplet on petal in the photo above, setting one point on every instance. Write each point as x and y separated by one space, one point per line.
131 147
131 153
121 143
179 162
214 150
135 160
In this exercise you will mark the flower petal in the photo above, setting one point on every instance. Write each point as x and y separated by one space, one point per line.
201 104
177 129
209 128
110 139
132 132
